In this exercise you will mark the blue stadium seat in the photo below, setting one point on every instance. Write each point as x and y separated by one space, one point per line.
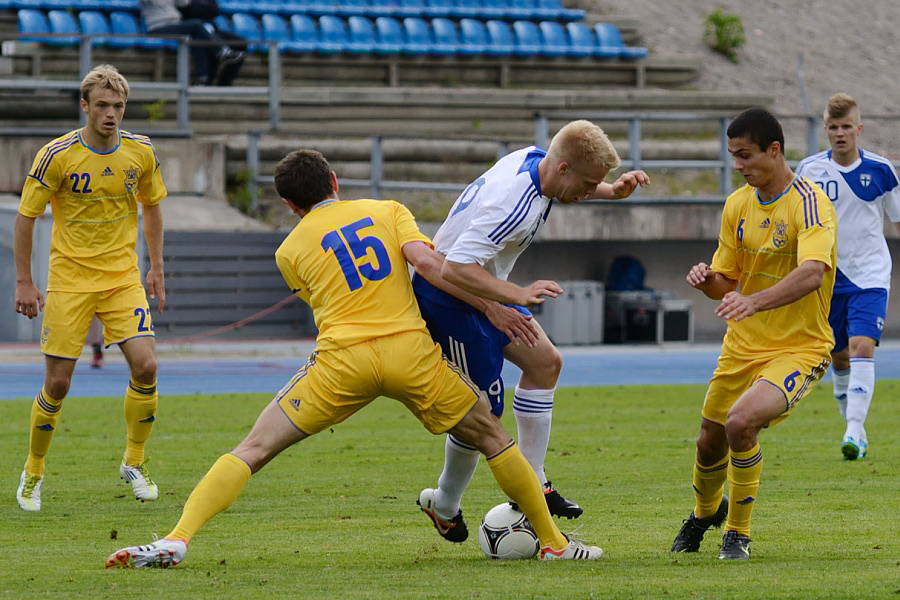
509 10
304 35
527 38
62 22
273 28
381 8
493 9
246 26
439 8
351 7
333 36
553 10
473 37
222 24
249 6
362 31
445 36
32 21
94 24
581 40
389 33
554 41
500 38
126 24
417 37
358 45
467 9
609 38
409 8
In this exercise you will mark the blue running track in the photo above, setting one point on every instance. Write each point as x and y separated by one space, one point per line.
264 367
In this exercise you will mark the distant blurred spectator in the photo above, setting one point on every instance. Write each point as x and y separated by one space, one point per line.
163 17
207 11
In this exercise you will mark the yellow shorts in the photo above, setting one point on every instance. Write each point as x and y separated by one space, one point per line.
794 373
124 312
408 367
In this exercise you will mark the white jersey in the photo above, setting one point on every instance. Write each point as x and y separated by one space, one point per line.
861 194
497 216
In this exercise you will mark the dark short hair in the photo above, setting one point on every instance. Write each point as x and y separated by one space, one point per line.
759 126
303 178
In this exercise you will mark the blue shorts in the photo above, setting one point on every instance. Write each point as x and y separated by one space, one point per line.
467 338
857 313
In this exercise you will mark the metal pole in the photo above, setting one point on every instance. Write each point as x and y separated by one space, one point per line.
724 157
274 86
182 70
634 146
253 168
377 161
812 135
84 67
540 130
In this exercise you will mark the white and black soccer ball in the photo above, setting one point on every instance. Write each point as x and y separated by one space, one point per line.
505 533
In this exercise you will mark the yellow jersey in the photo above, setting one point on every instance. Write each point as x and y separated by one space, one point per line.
94 199
759 244
345 259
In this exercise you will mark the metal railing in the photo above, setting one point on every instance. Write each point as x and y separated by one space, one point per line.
375 183
181 86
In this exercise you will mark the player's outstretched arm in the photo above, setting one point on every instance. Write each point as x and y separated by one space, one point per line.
29 300
515 325
474 279
622 187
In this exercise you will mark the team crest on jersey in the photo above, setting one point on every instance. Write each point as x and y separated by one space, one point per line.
765 224
779 237
879 323
45 332
131 178
865 179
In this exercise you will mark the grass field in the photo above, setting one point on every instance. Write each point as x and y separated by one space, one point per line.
335 517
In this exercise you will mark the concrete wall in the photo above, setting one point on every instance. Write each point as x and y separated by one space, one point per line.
194 167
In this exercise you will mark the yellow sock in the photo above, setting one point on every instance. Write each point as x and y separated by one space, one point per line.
218 490
743 481
140 413
518 481
44 419
709 485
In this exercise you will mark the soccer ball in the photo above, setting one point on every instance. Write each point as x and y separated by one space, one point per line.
505 533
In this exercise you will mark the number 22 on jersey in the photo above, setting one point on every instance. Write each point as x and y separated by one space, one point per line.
347 244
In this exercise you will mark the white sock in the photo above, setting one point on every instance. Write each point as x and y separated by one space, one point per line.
460 460
841 380
533 410
859 395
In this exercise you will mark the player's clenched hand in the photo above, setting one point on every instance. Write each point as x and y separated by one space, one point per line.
700 274
518 328
736 306
156 286
538 291
29 300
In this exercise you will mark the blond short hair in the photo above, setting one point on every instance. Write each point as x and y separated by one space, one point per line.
841 105
104 77
583 143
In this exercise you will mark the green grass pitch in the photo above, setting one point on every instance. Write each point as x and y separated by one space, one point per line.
335 516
